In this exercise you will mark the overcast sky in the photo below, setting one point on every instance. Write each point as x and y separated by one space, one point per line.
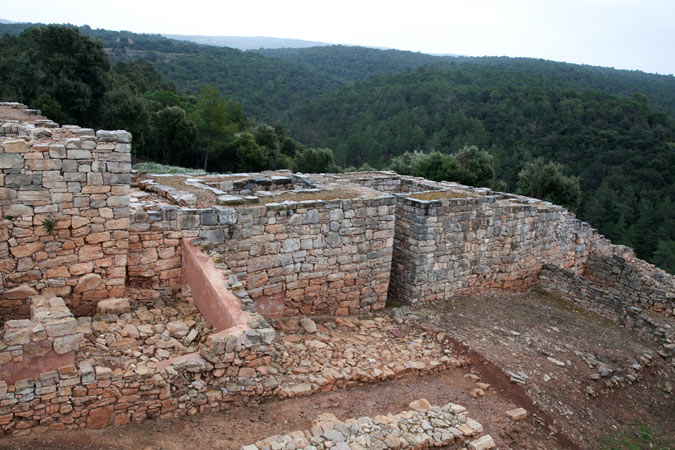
626 34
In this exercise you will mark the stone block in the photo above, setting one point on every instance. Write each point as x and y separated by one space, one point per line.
187 221
88 282
18 293
87 372
113 306
517 414
65 344
7 193
213 236
209 217
57 151
61 327
17 336
118 201
121 136
482 443
99 417
11 161
21 251
226 215
15 146
118 167
116 178
94 179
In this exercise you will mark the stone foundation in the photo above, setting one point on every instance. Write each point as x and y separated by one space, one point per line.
590 296
633 280
271 244
462 244
424 426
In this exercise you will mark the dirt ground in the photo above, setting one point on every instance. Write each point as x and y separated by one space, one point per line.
588 376
236 427
555 348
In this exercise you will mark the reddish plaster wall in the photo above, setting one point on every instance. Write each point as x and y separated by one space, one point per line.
215 302
32 367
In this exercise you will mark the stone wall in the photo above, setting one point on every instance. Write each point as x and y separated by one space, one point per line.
634 280
309 257
314 257
64 224
45 342
590 296
225 372
451 246
155 253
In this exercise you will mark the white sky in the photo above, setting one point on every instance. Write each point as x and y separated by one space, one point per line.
626 34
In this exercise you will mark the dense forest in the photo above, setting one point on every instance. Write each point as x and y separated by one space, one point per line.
269 82
599 141
69 77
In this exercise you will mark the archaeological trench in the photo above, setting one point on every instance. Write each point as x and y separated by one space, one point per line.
126 296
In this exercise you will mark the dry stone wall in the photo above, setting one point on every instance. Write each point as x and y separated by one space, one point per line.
64 224
314 257
581 291
46 341
633 280
154 259
452 246
225 372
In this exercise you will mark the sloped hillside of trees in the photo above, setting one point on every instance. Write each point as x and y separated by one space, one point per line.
69 77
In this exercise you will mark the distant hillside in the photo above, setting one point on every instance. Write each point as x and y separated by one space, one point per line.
265 87
359 63
270 82
246 43
5 21
351 63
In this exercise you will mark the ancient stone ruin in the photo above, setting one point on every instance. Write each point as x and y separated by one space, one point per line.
126 296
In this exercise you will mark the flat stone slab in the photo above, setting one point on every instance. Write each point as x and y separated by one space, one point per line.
230 200
113 306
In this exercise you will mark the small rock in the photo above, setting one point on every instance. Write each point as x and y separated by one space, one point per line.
472 376
556 362
177 328
475 393
308 325
517 414
420 405
482 443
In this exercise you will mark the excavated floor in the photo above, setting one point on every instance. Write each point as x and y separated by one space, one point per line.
582 386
